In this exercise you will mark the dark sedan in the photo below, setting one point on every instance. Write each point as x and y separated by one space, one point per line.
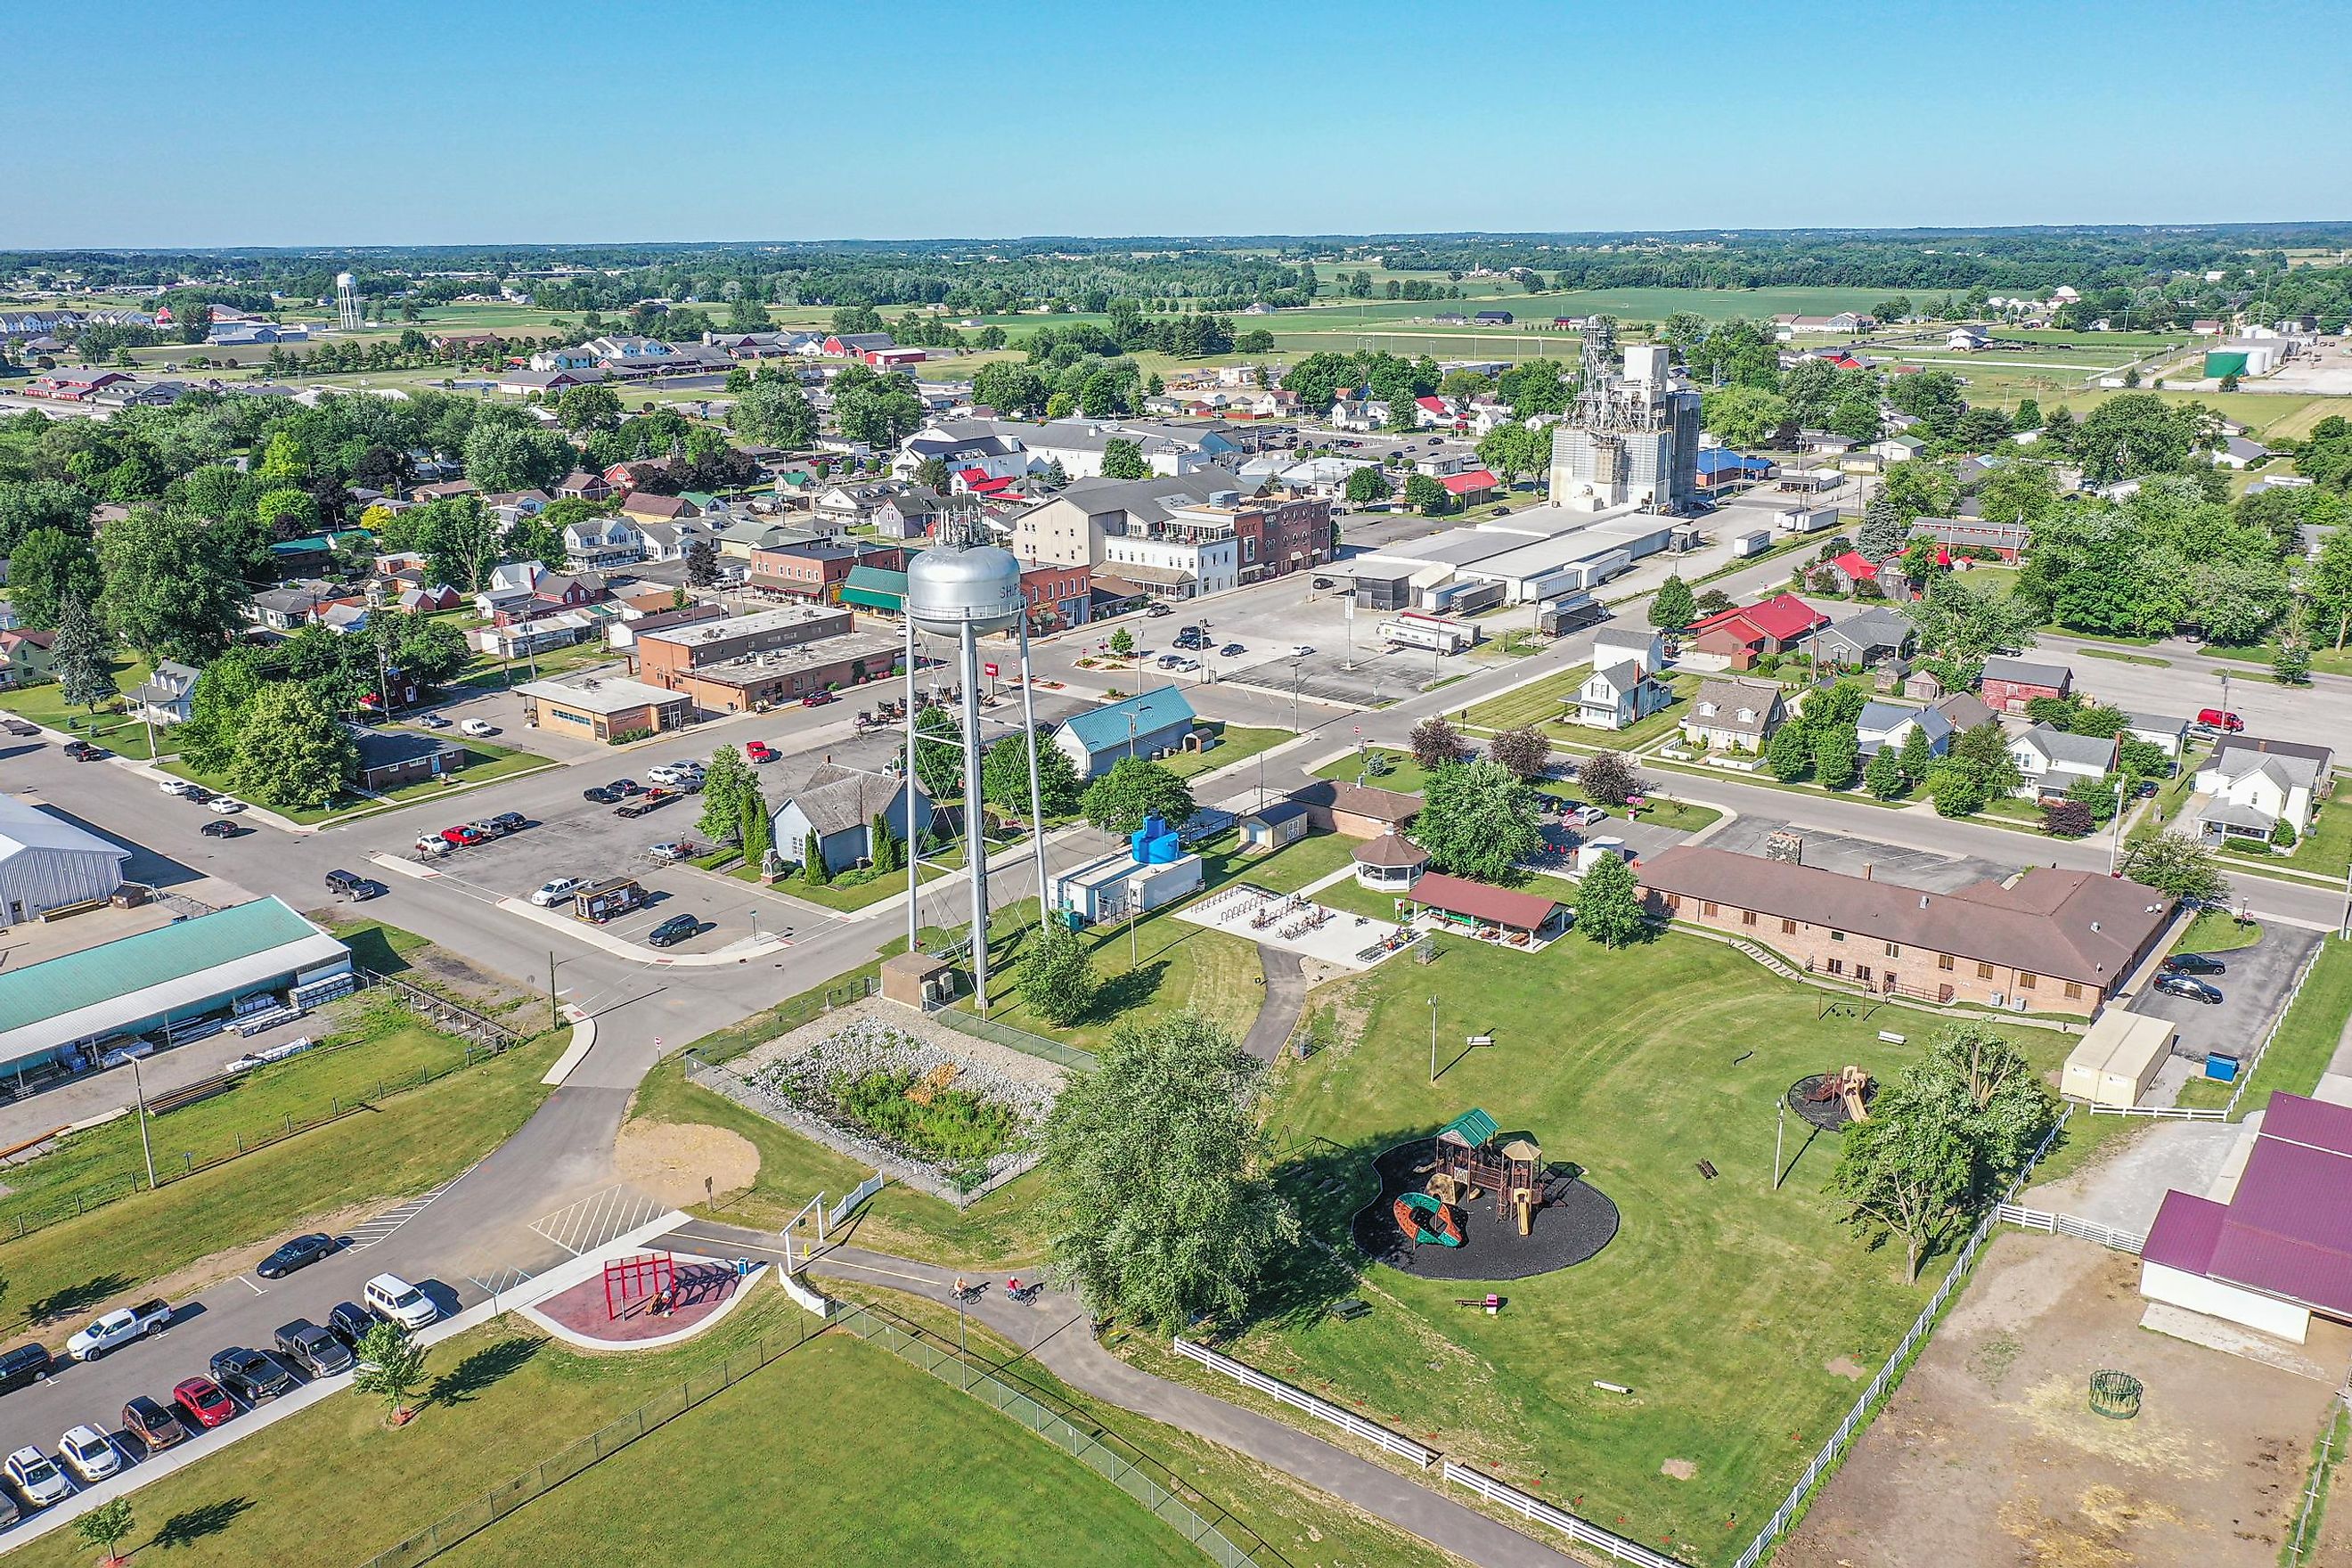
222 827
299 1253
255 1376
2187 986
2194 963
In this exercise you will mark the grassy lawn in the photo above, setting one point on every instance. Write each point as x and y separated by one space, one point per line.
2122 658
2324 659
1389 770
1537 703
1721 1303
502 1398
412 1143
47 706
845 895
2306 1038
1235 743
1297 863
2216 930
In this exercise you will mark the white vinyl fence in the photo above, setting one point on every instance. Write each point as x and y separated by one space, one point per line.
1248 1376
2067 1224
1889 1374
1582 1531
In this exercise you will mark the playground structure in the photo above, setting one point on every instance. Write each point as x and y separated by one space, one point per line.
1470 1203
1834 1100
628 1280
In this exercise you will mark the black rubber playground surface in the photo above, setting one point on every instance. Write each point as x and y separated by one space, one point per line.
1575 1223
1828 1115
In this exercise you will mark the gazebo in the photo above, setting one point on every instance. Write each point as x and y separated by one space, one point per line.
1390 864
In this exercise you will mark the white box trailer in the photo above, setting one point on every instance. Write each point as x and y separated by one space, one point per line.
2118 1059
1426 632
1753 543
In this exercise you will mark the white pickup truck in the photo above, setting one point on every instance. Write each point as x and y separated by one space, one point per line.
119 1327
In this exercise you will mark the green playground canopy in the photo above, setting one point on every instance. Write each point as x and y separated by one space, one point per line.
1472 1128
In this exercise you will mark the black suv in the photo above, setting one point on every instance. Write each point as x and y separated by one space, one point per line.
313 1348
353 886
24 1365
510 822
675 930
349 1322
255 1376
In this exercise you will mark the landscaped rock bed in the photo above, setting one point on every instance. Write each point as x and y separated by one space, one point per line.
920 1101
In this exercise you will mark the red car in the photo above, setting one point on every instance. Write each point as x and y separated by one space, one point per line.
759 752
203 1401
2221 718
818 699
464 837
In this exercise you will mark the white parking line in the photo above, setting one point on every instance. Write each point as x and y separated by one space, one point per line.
257 1289
584 1227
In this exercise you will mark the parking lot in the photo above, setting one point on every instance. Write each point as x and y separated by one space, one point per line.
2253 992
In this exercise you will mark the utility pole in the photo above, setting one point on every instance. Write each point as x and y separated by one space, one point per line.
2115 845
1780 1128
145 1147
1433 1039
554 1009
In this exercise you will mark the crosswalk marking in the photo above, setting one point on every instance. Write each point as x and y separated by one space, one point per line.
596 1219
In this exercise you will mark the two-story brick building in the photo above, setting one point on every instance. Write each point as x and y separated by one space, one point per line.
2054 941
2009 684
816 569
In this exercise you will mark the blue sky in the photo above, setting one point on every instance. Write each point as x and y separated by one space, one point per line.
254 122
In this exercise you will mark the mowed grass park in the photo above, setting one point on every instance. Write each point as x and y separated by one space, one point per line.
1742 1320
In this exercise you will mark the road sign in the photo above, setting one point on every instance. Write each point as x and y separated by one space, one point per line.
989 670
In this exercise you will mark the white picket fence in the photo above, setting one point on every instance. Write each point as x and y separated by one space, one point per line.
1248 1376
2067 1224
1582 1531
848 1206
1826 1459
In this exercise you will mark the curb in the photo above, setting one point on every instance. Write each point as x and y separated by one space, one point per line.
583 1040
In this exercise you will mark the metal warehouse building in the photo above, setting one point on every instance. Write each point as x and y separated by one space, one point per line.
157 979
47 863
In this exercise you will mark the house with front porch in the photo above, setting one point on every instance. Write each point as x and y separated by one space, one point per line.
1618 696
1732 712
2054 760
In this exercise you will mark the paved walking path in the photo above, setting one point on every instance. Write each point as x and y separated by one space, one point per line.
1285 999
1053 1331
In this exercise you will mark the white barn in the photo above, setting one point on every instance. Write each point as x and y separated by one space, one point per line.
46 863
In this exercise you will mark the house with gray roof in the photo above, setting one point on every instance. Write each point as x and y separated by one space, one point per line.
1733 711
164 697
2250 787
839 805
2053 761
1866 638
1891 723
1618 696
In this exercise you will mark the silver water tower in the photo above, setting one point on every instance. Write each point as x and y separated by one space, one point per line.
961 589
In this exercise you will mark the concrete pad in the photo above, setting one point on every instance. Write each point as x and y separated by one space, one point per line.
2224 1184
2334 1088
1340 940
2231 1339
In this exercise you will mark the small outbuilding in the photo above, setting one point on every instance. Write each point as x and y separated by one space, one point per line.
916 980
2118 1059
1272 826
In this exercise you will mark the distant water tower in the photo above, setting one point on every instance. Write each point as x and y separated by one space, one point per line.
962 589
347 302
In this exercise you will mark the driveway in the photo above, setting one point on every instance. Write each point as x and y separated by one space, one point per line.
2253 992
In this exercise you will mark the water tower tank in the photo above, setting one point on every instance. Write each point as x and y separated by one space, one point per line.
344 280
956 585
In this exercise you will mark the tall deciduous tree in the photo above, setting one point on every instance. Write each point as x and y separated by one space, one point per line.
721 820
1608 777
1365 486
1609 904
2177 864
1135 788
291 750
1004 778
166 595
1672 607
1057 975
1524 751
1123 459
773 413
1161 1207
1479 821
216 710
48 567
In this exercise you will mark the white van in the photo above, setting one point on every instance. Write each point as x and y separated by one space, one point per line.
396 1301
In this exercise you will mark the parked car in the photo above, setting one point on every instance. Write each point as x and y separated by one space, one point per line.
224 805
153 1424
37 1478
1183 663
478 727
1586 816
673 774
396 1301
487 829
2194 963
621 789
317 1352
175 786
24 1365
1155 610
119 1327
672 852
2221 718
200 1399
352 885
602 794
510 822
255 1376
818 699
759 752
463 836
1301 650
2187 986
299 1253
1322 582
82 752
430 721
433 844
554 890
673 930
1232 650
349 1322
1170 660
224 829
198 794
88 1453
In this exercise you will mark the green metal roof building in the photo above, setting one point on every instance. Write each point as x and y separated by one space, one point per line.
876 588
172 973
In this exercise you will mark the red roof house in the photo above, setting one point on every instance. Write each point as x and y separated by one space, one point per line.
1472 488
1745 632
2281 1247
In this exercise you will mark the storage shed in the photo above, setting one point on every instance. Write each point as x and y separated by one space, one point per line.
2118 1059
1284 822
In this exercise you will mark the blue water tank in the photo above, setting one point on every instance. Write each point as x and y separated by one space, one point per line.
1155 843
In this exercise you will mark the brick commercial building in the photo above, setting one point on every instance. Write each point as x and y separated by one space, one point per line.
2056 942
788 674
599 707
667 654
1059 596
817 569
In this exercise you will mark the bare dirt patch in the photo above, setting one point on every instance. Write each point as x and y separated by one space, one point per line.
1680 1469
685 1163
1845 1366
1989 1453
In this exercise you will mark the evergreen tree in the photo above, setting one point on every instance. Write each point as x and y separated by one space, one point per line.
883 845
1918 756
757 832
813 870
1790 754
1884 777
82 656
